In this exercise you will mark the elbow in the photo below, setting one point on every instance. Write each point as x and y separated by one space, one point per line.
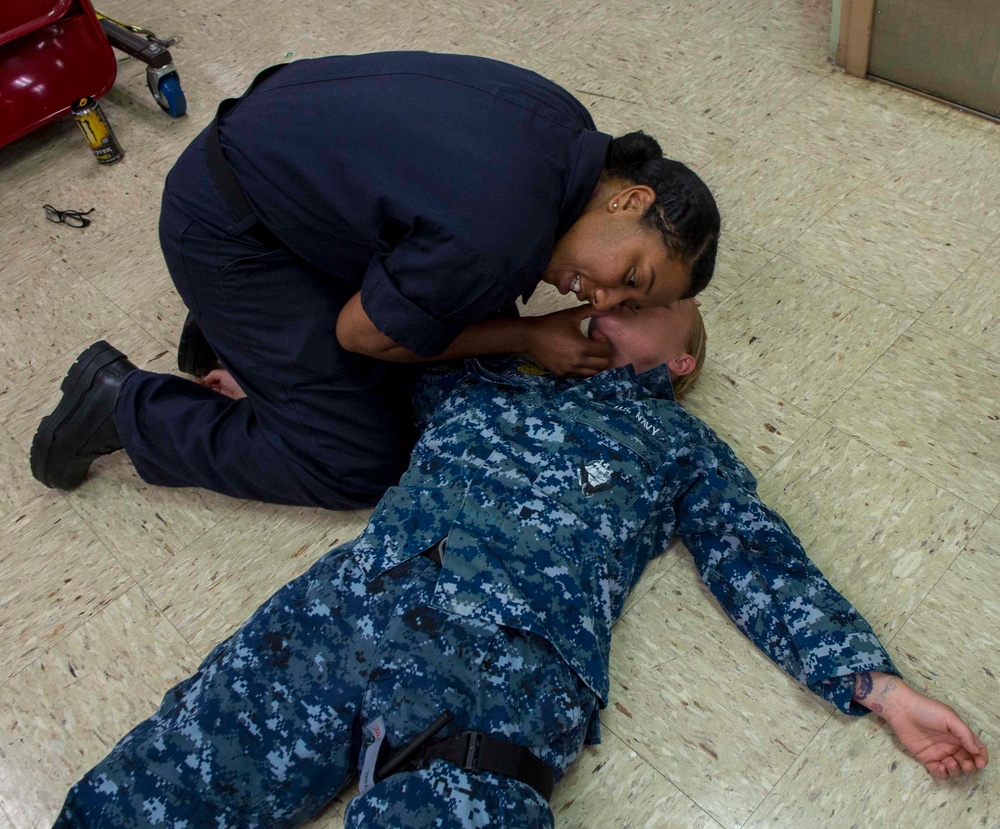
350 338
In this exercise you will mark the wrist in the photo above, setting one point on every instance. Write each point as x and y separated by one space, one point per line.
882 693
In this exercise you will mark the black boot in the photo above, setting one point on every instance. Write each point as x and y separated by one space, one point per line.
81 428
194 353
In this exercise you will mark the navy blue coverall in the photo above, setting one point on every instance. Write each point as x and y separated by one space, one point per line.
436 185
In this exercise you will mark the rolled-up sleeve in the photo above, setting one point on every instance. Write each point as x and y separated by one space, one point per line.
425 291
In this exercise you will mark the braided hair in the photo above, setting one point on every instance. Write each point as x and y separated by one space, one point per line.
684 211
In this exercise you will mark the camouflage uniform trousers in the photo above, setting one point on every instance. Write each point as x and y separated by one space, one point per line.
271 727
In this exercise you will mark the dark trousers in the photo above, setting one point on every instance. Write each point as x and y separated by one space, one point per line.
320 426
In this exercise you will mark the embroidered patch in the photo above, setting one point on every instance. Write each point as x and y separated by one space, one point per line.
596 476
532 369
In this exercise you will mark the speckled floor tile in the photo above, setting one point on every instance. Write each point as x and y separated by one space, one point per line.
931 403
211 587
25 252
759 426
685 136
794 33
117 192
610 786
960 667
127 267
801 335
770 195
855 774
545 300
850 123
142 525
57 575
55 151
736 87
589 72
736 261
63 712
893 249
883 535
528 34
970 308
953 166
17 487
46 316
654 571
162 316
332 815
694 698
145 526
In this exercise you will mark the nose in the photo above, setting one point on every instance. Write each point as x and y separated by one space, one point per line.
604 299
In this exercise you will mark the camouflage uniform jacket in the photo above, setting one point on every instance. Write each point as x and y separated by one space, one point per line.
554 496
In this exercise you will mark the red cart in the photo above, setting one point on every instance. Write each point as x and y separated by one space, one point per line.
54 53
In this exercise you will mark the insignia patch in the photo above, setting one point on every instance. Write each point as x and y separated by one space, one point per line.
596 476
532 369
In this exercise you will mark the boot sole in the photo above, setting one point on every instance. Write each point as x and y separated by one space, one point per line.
78 380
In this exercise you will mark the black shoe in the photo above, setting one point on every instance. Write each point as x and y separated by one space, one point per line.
194 354
81 428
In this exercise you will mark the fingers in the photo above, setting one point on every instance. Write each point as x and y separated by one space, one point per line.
970 742
954 762
972 753
586 368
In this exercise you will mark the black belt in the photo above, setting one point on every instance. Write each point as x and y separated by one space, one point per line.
471 751
477 752
218 167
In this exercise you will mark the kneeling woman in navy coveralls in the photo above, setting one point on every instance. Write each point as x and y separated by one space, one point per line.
353 215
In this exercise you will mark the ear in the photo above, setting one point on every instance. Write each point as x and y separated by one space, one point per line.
682 364
634 197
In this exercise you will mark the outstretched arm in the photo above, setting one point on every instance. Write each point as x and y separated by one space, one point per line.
930 730
760 574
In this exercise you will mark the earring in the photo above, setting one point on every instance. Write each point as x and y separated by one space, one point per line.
614 206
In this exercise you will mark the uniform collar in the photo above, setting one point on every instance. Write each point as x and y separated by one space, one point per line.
623 383
591 154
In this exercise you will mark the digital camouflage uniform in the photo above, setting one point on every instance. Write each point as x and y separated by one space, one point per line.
553 496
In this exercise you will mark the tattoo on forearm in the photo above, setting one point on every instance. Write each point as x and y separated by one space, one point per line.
889 686
863 685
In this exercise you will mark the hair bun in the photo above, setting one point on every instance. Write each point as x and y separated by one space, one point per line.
630 152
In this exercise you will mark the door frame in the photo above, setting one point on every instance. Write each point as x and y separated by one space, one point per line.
854 41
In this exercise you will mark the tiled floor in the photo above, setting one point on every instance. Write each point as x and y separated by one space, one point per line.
854 365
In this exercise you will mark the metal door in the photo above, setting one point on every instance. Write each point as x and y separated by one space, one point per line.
946 48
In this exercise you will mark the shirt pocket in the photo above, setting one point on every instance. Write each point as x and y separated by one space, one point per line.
599 475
